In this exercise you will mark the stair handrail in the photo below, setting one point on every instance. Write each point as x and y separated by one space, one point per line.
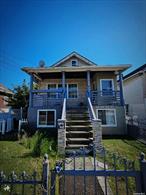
63 117
91 110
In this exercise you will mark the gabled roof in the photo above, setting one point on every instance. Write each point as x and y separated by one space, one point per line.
134 72
74 54
86 65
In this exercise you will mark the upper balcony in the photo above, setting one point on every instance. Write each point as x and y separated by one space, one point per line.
45 98
102 98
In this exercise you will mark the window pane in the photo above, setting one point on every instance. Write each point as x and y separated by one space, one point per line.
72 90
107 87
107 117
42 118
50 118
110 117
102 116
52 87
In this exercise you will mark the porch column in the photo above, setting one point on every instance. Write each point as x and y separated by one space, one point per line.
121 89
30 93
63 83
88 84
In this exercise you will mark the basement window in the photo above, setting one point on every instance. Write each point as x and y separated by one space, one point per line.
46 118
107 117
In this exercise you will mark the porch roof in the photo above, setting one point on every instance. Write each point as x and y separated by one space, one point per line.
116 68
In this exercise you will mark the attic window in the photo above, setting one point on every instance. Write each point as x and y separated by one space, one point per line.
74 62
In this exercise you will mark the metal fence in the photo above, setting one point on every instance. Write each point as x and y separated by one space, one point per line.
104 173
87 171
25 184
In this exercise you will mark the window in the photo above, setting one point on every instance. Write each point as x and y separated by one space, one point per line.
72 91
107 116
52 94
46 118
74 62
106 86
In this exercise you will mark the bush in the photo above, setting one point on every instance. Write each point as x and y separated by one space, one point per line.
39 144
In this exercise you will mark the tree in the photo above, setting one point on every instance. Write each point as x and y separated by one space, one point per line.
20 97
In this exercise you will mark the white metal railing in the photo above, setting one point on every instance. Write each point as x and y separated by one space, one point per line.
63 117
91 110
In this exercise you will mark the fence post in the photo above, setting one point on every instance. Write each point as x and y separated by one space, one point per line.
45 174
143 171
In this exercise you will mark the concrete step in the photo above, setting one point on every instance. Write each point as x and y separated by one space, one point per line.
77 112
78 141
77 122
78 128
76 146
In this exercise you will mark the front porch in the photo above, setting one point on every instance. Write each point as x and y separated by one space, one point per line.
76 87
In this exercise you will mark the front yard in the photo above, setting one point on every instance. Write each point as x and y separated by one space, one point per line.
14 155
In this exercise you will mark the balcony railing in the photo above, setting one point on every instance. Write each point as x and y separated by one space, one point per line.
105 98
43 98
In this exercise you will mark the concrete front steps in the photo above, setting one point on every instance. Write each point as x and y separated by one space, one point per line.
78 129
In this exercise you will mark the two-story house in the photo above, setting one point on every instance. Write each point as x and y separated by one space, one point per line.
134 86
75 89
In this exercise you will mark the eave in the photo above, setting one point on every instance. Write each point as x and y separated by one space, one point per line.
116 68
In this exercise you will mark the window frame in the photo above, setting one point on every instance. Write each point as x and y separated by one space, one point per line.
45 110
108 125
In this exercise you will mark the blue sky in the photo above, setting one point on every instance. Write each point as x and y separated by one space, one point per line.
106 32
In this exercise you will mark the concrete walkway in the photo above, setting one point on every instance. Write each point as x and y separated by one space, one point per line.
78 185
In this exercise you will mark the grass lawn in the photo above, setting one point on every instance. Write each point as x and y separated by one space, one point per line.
128 148
16 157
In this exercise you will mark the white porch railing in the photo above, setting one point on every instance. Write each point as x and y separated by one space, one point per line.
96 126
62 130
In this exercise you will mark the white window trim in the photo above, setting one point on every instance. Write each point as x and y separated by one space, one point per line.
114 125
46 125
106 80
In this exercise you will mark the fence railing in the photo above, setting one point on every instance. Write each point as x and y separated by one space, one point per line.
105 173
9 182
105 97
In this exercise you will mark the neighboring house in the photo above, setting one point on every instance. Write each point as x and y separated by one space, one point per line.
134 86
6 116
5 93
83 85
